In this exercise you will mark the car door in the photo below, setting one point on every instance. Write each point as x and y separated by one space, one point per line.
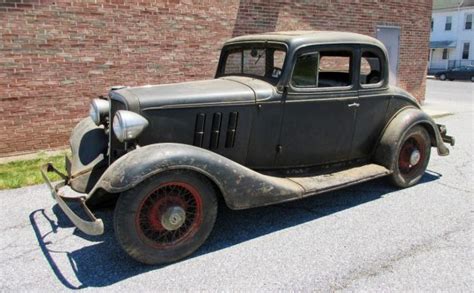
463 73
470 73
319 108
455 73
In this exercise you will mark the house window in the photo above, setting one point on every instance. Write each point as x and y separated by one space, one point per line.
465 51
468 24
445 54
449 20
432 24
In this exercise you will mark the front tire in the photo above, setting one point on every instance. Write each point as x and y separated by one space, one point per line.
472 78
412 157
166 217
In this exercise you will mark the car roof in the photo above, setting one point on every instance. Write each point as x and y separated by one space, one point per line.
297 38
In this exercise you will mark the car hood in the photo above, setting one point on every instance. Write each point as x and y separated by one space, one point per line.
226 90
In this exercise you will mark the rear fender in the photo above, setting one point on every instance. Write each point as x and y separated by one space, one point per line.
405 119
241 187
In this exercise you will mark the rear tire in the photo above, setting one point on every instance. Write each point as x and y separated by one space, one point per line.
166 217
442 76
412 157
472 78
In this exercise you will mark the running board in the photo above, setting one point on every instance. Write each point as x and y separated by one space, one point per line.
327 182
241 187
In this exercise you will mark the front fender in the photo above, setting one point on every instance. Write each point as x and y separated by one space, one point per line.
396 129
241 187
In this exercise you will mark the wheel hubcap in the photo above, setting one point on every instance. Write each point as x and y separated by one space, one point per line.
173 218
411 155
415 157
169 214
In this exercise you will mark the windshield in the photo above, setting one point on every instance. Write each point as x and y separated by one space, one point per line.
259 62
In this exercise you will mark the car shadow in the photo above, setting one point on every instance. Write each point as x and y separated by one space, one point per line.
104 263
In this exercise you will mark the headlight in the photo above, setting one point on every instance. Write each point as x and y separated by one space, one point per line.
128 125
98 110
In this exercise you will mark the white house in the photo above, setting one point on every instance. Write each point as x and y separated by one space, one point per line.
452 34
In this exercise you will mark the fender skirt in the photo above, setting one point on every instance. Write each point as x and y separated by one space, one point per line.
241 187
396 129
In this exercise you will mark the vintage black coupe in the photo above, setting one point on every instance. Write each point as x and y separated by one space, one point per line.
288 115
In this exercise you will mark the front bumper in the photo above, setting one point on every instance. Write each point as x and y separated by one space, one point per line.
93 226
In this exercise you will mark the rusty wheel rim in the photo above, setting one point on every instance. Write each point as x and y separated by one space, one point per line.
169 215
412 155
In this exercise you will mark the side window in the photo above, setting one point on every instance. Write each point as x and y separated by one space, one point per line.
335 69
305 72
370 68
323 69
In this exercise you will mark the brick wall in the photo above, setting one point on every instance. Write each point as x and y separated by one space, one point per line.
57 55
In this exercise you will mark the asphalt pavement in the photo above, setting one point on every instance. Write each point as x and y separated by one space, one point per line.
366 237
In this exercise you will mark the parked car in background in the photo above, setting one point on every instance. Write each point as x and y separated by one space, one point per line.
459 73
288 115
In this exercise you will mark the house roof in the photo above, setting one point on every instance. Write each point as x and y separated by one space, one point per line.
449 4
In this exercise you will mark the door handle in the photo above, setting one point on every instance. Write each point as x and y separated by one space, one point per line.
353 105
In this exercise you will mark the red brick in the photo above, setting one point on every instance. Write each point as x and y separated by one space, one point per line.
57 55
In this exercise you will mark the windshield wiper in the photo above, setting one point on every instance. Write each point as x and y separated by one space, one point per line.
258 58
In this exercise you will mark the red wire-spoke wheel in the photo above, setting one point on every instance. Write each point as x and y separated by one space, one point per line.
413 157
166 217
169 214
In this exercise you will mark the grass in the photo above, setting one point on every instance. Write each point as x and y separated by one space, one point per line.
23 173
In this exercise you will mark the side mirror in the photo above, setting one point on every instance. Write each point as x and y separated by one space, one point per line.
254 53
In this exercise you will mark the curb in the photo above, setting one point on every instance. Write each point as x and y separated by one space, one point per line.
32 156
